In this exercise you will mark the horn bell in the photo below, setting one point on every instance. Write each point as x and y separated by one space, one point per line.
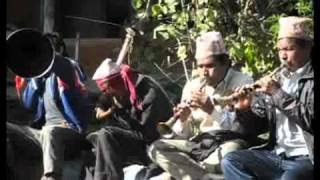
29 53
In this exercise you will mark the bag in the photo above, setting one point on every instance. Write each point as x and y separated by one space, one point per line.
206 143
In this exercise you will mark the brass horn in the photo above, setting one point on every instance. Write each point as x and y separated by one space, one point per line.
165 128
29 53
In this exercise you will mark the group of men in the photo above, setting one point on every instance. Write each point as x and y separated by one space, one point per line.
210 136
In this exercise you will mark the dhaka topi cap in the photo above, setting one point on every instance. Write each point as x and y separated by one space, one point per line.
208 44
295 27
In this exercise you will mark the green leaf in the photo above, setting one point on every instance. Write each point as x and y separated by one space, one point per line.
182 52
203 2
170 1
304 7
156 10
203 27
137 3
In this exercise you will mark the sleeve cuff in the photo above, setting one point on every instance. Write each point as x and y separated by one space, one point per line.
278 96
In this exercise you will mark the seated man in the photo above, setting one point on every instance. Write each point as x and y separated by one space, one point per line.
289 105
140 104
60 105
198 116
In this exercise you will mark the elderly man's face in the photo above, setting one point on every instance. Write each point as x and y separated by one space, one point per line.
295 55
114 87
210 69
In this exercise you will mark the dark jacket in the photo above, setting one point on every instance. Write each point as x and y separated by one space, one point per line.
249 125
156 107
298 108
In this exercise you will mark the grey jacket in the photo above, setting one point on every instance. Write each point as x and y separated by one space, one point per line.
299 109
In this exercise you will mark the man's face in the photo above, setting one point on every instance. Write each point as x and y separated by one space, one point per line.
293 54
113 87
211 70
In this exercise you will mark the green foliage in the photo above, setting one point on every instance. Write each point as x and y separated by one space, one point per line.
304 7
249 28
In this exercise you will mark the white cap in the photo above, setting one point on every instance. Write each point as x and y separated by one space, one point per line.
106 68
208 44
295 27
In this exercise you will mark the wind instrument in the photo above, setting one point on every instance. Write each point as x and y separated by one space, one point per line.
165 128
30 54
223 100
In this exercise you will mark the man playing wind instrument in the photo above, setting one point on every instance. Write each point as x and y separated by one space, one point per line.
289 106
140 104
189 155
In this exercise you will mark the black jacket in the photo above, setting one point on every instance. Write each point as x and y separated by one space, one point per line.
299 108
156 107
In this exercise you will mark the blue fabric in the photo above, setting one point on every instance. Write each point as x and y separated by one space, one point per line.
68 95
265 165
32 99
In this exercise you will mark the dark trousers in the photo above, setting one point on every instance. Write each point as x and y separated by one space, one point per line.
265 165
115 148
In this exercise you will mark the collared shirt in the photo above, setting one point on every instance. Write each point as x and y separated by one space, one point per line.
289 134
201 121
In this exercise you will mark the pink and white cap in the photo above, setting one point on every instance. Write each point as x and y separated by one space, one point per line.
106 69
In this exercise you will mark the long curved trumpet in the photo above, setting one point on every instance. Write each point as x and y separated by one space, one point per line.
30 54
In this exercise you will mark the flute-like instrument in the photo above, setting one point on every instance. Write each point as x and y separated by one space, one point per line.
165 128
223 100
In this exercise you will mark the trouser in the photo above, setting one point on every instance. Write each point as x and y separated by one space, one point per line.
265 165
173 156
54 141
115 148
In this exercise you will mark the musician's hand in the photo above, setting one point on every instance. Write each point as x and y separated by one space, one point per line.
201 100
182 111
267 85
101 114
244 98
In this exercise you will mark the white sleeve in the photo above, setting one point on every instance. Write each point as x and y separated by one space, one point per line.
183 128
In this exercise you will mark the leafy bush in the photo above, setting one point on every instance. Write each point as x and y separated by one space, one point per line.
249 28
